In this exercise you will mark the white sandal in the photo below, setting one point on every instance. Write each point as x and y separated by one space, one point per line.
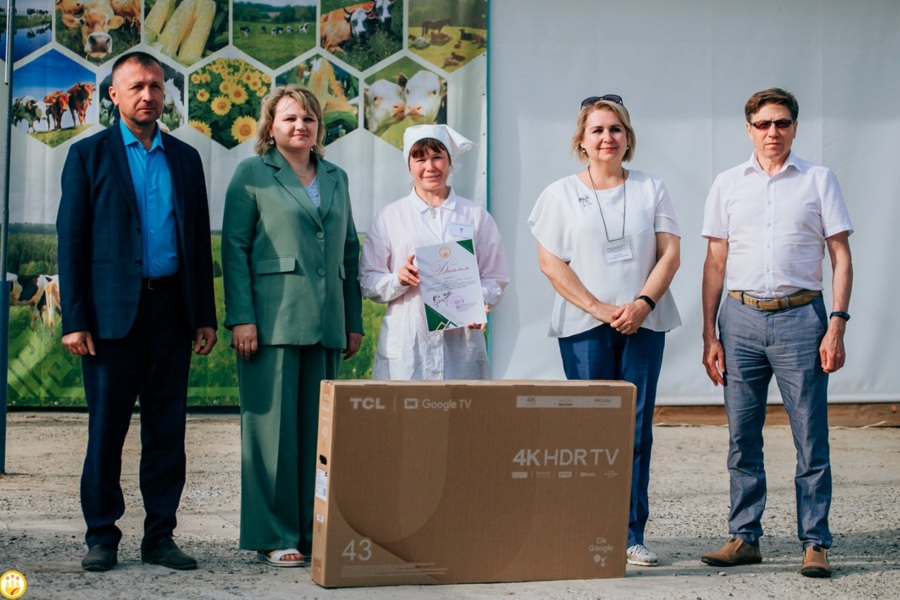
274 558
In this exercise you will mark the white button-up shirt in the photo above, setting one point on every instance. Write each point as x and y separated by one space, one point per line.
406 349
775 226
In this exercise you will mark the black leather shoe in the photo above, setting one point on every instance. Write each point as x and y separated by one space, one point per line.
100 558
166 553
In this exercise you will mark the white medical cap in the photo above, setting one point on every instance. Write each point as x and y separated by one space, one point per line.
454 141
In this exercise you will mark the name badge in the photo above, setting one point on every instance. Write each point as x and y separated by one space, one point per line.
618 251
462 230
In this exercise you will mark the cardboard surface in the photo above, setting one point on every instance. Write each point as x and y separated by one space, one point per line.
451 482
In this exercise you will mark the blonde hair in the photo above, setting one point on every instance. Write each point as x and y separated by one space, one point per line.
620 111
307 101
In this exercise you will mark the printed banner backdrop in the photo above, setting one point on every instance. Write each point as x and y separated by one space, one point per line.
685 70
377 67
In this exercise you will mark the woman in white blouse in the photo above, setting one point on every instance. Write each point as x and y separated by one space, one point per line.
609 244
431 214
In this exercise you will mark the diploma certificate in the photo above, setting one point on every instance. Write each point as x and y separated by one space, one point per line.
451 285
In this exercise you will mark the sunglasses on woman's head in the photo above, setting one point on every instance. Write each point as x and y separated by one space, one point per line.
595 99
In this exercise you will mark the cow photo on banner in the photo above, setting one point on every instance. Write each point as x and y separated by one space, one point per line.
98 30
53 99
403 94
373 76
361 34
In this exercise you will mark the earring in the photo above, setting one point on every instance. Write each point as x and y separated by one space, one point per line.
583 151
271 141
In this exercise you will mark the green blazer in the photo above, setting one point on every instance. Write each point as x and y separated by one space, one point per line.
290 268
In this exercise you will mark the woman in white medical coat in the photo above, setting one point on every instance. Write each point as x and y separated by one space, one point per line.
432 213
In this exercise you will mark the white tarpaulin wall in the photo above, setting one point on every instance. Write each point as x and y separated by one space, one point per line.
685 70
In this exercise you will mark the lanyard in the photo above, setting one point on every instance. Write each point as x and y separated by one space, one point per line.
624 204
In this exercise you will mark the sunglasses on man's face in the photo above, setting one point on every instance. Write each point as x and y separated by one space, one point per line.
765 125
595 99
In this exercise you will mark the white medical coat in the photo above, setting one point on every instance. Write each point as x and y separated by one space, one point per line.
406 349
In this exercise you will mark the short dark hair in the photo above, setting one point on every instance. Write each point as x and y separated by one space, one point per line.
141 58
435 145
771 96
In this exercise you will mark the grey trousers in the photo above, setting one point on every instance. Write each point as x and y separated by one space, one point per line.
785 344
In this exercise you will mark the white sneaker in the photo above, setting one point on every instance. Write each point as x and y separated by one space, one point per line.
639 554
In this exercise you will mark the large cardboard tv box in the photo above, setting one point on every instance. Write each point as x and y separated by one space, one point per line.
454 481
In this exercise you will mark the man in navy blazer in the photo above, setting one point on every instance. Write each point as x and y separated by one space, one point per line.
136 287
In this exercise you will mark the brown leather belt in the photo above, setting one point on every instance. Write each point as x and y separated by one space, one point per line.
769 304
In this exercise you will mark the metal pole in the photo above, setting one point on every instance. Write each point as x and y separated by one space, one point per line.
4 227
4 351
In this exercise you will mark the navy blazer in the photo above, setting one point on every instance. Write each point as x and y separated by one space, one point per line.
100 248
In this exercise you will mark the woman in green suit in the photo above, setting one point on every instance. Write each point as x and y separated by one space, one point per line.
290 258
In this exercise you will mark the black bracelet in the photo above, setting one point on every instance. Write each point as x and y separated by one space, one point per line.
841 314
652 304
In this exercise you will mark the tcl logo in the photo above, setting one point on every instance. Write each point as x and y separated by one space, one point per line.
367 403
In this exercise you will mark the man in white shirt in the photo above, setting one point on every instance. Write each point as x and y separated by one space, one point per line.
768 222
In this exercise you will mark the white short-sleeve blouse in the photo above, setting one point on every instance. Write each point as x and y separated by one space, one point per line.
568 220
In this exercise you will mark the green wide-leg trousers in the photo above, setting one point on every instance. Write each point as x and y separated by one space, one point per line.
279 390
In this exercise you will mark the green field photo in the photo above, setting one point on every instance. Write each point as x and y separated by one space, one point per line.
42 374
274 34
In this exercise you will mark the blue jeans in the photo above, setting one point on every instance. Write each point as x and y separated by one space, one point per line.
604 353
784 344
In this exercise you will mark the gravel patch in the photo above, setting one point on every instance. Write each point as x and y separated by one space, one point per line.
41 530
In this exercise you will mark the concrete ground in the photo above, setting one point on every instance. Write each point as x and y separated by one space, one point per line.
41 531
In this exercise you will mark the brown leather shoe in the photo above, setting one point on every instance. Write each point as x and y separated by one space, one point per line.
815 562
734 552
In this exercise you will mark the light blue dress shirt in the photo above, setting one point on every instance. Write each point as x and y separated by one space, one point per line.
313 191
156 203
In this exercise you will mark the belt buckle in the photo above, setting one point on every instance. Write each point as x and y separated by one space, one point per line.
779 304
154 283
